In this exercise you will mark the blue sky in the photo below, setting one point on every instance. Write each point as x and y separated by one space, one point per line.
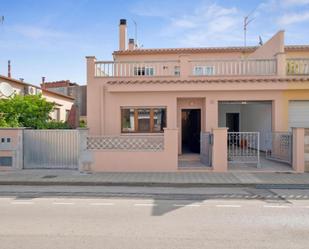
52 38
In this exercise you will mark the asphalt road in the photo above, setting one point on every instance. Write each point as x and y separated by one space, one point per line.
120 217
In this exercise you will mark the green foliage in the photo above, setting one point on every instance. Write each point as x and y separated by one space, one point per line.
31 111
56 125
82 124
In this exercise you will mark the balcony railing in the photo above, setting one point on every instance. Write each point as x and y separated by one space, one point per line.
233 67
210 67
297 66
137 69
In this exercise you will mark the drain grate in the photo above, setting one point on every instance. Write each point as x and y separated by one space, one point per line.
49 176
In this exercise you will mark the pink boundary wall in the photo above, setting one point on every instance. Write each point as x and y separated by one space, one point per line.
13 149
166 160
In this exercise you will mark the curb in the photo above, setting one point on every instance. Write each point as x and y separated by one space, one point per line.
156 184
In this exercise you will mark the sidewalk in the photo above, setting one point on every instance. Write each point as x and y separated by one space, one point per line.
172 179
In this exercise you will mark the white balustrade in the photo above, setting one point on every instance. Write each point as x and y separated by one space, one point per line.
233 67
136 68
297 66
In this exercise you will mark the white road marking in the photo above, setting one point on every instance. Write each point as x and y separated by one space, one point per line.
22 202
186 205
145 204
228 206
102 204
275 206
63 203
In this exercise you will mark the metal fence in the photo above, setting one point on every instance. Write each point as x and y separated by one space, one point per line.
280 144
244 147
51 149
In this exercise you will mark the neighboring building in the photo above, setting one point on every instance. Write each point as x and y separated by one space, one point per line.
79 93
63 102
191 91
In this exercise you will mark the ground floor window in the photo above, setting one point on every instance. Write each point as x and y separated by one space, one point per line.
143 120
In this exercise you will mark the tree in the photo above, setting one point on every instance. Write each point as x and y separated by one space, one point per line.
31 111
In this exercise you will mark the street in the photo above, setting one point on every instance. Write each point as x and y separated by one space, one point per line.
138 217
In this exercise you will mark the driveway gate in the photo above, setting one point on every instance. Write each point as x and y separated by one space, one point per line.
51 149
244 147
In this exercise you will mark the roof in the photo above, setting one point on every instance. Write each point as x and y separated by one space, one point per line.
28 84
60 83
209 80
202 49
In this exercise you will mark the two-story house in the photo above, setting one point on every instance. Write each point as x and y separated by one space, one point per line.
174 100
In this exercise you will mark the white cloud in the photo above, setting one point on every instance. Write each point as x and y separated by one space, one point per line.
292 18
295 2
206 23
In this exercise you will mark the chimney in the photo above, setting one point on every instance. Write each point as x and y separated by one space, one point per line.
43 83
123 34
131 44
9 68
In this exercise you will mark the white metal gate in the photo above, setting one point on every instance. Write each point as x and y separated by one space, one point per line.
51 149
244 147
279 147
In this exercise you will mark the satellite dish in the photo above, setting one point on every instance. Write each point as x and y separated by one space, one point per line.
6 89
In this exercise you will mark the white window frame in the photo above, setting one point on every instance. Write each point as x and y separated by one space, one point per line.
203 70
146 69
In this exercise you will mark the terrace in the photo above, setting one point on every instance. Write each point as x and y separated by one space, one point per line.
202 68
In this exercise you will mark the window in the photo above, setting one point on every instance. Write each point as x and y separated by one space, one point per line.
198 71
6 161
177 70
56 114
67 114
144 120
147 71
203 70
159 119
127 120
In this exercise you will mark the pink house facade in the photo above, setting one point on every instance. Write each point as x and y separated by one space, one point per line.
198 108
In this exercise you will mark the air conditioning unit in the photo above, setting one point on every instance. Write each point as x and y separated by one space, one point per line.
38 91
30 90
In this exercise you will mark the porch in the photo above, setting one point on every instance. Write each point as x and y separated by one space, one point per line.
251 143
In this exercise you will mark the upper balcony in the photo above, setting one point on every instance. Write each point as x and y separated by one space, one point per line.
297 66
201 68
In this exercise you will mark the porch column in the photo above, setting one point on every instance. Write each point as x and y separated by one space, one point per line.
170 147
281 67
219 150
185 69
211 116
299 150
280 115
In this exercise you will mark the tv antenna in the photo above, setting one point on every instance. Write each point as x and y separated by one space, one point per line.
135 32
247 20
